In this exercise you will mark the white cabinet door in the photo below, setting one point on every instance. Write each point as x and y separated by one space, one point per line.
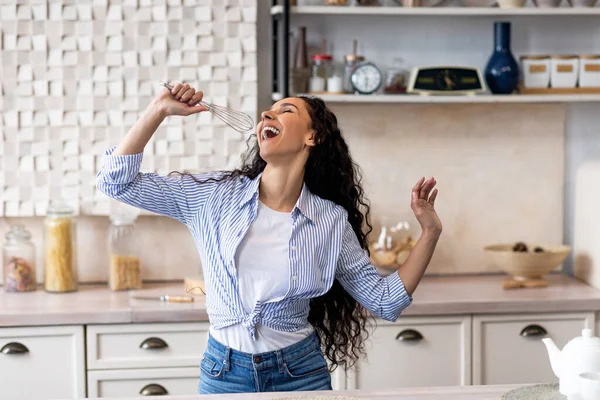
416 352
143 382
507 349
146 345
42 363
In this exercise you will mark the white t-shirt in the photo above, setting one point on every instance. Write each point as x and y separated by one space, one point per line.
263 272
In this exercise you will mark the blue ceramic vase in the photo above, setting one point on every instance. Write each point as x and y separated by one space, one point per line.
502 71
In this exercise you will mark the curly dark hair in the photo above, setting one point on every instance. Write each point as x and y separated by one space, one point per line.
330 173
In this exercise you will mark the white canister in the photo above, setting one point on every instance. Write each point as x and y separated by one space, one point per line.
564 72
589 71
536 71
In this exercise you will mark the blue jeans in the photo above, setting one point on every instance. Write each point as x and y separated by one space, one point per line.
300 366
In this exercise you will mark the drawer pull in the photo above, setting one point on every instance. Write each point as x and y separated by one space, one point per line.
14 348
409 335
153 343
153 389
533 330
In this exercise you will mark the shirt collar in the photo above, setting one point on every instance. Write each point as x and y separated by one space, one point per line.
304 205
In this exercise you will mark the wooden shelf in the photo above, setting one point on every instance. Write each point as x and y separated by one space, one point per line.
439 11
479 99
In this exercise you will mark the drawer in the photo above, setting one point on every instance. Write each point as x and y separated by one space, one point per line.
504 354
42 362
414 352
143 382
146 345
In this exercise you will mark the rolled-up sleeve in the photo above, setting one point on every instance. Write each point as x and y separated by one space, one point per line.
385 297
177 197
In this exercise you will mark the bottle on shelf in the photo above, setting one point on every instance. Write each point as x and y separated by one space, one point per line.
300 72
322 70
350 61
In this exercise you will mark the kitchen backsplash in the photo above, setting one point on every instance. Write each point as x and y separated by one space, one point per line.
499 168
76 75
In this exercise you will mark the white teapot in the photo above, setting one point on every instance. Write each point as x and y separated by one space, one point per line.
580 355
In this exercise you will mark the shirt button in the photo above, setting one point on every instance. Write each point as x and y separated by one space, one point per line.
257 360
295 277
293 248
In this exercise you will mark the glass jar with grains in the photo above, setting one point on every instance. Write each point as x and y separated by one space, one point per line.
125 266
19 261
59 249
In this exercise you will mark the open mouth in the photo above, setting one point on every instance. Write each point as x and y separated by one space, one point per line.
269 132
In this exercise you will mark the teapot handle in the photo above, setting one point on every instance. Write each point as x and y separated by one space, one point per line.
533 331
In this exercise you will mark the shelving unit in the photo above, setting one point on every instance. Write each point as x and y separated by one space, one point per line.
484 98
281 11
437 11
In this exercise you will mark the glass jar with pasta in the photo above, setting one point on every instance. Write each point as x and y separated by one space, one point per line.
19 261
60 264
125 266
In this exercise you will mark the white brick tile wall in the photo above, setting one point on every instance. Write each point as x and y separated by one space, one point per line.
77 75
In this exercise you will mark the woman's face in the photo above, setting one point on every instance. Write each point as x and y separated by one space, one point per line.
285 131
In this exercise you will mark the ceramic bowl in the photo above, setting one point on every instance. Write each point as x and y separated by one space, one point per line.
589 385
530 264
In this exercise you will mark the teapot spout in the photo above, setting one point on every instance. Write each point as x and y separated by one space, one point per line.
555 356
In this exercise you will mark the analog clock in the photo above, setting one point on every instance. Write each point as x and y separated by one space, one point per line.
366 78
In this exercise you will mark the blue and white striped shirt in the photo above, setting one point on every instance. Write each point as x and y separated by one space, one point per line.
322 246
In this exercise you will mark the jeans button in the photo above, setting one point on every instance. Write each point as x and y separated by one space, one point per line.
257 360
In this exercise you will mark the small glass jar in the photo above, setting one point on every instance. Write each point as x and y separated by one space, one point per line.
125 266
19 261
60 261
350 61
335 83
395 82
322 70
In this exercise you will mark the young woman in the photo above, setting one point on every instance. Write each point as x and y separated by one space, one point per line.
287 272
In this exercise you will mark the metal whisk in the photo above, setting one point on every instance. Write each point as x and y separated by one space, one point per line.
237 120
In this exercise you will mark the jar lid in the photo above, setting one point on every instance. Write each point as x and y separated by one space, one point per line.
322 57
564 57
59 208
590 56
535 57
18 232
353 57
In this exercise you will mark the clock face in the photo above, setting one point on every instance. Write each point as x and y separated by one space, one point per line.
447 79
366 78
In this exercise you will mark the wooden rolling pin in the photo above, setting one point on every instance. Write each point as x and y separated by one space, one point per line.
510 283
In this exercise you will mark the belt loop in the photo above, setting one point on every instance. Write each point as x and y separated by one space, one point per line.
280 360
227 360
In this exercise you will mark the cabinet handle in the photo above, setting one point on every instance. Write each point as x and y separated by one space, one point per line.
153 389
533 330
153 343
14 348
409 335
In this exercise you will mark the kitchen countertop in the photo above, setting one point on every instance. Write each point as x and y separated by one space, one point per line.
492 392
436 295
